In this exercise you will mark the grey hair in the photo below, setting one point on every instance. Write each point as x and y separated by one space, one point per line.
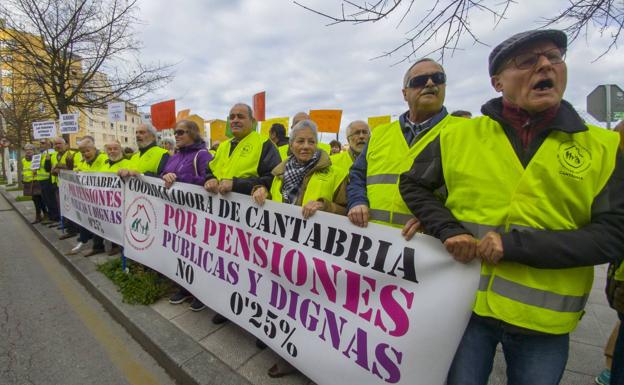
29 146
249 109
150 128
406 77
168 140
301 126
60 138
356 121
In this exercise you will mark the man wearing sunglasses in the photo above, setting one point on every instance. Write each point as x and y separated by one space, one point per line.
373 190
536 194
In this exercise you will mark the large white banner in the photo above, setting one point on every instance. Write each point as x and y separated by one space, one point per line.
343 304
69 123
93 201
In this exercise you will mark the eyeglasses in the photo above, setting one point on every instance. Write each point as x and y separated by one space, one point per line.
359 133
421 80
179 132
528 60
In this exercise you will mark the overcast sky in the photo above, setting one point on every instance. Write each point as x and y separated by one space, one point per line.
228 50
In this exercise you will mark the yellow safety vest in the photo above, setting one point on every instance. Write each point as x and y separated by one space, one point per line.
121 164
322 184
41 174
148 161
54 160
342 159
283 151
95 166
243 162
27 173
489 189
387 157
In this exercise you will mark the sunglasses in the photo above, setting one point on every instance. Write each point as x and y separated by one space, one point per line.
421 80
179 132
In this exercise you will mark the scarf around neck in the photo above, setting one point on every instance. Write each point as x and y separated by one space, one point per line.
294 172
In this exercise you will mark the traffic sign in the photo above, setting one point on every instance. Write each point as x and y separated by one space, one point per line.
606 102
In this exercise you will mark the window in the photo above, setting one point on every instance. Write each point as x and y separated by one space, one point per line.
112 125
126 140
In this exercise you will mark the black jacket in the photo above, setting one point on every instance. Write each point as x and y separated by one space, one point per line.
600 241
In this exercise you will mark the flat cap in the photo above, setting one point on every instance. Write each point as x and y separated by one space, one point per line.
501 52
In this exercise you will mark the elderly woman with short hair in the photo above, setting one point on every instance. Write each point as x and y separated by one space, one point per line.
188 165
31 183
306 178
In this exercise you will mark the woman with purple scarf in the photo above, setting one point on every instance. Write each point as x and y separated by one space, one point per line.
188 165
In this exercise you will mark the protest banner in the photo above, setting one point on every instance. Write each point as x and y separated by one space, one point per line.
374 121
327 120
117 111
163 114
69 123
93 201
183 114
337 301
265 126
44 130
259 104
217 130
35 162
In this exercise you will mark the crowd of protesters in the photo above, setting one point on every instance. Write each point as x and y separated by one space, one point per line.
528 188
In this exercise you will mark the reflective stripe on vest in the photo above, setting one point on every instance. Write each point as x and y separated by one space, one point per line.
387 157
244 160
531 296
490 190
322 184
148 161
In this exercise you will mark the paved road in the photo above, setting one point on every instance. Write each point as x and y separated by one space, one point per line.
51 330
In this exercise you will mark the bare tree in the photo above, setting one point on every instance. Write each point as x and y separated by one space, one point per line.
21 104
450 21
80 53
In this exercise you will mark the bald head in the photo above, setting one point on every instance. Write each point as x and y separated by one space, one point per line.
299 116
60 145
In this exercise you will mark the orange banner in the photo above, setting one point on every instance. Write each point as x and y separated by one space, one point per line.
259 100
163 114
327 120
183 114
217 131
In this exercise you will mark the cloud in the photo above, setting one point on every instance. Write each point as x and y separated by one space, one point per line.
229 50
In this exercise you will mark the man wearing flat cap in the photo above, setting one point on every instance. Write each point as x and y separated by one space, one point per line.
536 195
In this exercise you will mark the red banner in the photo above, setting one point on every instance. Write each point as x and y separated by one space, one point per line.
163 114
258 105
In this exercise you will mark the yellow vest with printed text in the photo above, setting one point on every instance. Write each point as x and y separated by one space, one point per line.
243 162
387 157
323 184
148 161
490 189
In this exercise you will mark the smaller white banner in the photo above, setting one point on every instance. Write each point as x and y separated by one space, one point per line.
94 201
44 130
69 123
117 112
35 164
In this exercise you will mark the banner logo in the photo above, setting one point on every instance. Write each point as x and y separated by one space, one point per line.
141 223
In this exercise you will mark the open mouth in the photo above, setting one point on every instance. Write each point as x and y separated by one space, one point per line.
544 85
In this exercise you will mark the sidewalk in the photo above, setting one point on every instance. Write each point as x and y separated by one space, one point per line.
195 351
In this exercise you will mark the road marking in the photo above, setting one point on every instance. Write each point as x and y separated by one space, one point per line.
134 371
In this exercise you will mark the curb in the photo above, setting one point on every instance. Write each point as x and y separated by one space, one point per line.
185 360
